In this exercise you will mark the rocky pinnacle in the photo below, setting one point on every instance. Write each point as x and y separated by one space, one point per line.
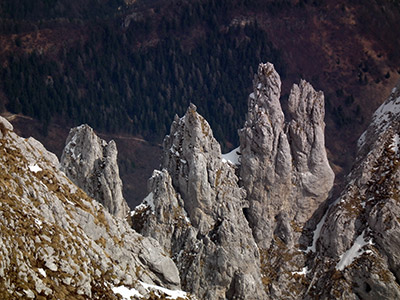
195 209
284 166
91 163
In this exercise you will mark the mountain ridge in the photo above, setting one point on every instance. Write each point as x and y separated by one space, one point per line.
353 60
200 227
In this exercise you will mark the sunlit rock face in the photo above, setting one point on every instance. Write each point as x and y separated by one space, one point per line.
91 163
284 166
358 249
195 209
57 242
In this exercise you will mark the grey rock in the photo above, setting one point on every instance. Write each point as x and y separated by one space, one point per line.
195 209
61 231
5 127
91 163
369 208
284 166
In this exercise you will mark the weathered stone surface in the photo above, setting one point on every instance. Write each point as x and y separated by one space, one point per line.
58 242
195 209
284 166
365 214
91 163
5 126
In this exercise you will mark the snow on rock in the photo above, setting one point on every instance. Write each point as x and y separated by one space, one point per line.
395 143
148 202
317 233
354 252
385 111
172 294
42 272
38 223
35 168
232 157
126 292
361 140
304 271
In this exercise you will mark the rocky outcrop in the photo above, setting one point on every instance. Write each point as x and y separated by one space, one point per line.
56 242
91 163
284 166
195 209
358 247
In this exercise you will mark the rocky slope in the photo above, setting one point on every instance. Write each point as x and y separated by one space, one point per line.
58 243
358 246
91 163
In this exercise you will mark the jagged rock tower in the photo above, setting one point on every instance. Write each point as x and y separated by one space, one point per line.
286 174
91 163
195 210
284 166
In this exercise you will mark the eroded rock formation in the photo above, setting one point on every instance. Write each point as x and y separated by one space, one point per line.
195 210
56 242
91 163
359 244
284 166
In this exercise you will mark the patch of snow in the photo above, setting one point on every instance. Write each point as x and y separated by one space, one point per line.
35 168
186 216
171 294
125 292
38 223
395 143
70 147
233 157
252 96
317 231
70 202
304 271
42 272
383 114
354 252
149 200
361 140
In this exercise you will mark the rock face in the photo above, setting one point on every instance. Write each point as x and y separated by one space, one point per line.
195 210
359 245
58 242
284 166
91 163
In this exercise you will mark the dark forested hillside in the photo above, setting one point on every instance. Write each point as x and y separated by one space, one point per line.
108 80
129 66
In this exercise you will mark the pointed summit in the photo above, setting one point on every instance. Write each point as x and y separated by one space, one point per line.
213 246
91 163
284 166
